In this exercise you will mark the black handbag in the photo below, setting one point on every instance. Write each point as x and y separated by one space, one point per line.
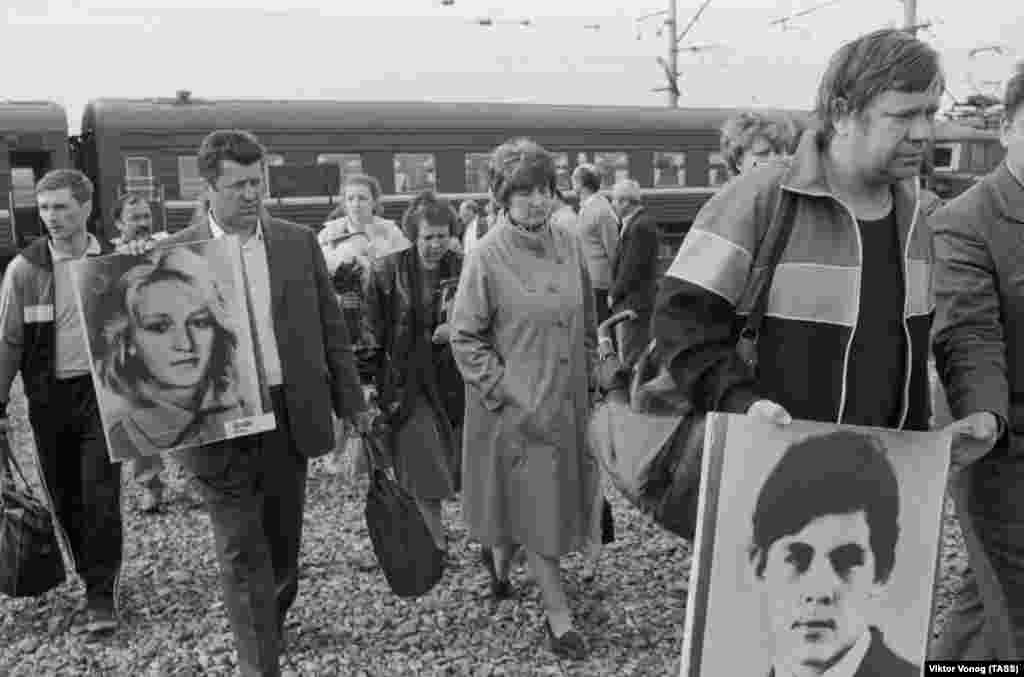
401 539
30 559
672 491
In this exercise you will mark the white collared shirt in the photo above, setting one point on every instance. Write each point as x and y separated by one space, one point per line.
72 351
847 665
254 258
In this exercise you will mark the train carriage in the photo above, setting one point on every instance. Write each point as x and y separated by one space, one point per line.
33 140
150 146
961 155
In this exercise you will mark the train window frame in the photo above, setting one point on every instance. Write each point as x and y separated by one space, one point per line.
142 183
415 188
185 182
954 156
718 169
270 160
599 162
23 197
678 161
471 169
339 159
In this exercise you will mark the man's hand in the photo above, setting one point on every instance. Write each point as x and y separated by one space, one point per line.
442 334
973 437
769 412
363 421
137 247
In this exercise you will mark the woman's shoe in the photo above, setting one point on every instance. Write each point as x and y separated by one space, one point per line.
569 645
500 589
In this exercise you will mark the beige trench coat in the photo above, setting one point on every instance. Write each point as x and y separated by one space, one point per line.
524 338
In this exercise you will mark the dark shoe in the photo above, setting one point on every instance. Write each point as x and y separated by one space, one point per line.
500 589
95 618
569 645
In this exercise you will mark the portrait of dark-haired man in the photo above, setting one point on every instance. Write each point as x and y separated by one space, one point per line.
825 529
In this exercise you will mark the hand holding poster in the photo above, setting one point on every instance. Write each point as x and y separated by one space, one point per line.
824 562
171 347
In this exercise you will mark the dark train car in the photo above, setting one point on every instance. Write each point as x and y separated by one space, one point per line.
33 140
150 146
962 155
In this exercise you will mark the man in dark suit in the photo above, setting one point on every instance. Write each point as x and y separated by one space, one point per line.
825 528
634 269
254 486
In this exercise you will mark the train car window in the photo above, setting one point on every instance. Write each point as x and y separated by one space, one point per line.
270 160
669 169
477 180
23 187
942 156
718 173
613 167
190 184
414 172
563 175
348 164
138 176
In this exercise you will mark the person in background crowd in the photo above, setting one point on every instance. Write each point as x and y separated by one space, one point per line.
526 347
564 215
598 228
420 392
750 139
43 338
474 225
255 486
846 331
977 341
357 214
133 219
634 270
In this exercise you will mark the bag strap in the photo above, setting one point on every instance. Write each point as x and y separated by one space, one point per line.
10 461
768 254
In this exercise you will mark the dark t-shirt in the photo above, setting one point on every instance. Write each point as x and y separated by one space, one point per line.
874 395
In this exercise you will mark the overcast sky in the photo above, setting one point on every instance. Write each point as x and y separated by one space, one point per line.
75 50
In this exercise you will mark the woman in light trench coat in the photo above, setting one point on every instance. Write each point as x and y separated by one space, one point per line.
524 339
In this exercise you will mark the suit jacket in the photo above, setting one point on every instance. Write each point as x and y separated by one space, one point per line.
634 268
881 661
317 363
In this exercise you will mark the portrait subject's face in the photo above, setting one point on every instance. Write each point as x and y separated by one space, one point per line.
817 586
174 333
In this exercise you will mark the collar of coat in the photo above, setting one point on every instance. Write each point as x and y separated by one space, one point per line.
1009 190
41 254
806 174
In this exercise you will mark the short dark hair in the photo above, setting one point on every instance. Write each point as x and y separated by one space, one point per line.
436 211
834 474
126 200
1013 98
57 179
880 61
520 164
236 145
589 176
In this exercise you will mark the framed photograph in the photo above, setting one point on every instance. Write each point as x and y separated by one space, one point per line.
816 550
171 347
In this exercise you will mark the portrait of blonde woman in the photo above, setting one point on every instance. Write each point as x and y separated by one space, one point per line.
165 345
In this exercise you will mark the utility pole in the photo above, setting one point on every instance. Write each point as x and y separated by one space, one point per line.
673 56
910 17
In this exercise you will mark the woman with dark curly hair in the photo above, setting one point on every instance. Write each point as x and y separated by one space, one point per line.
420 392
167 348
524 338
